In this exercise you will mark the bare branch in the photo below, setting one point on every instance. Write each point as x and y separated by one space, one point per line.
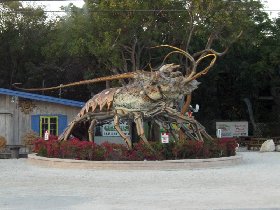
127 48
211 51
191 31
124 62
203 52
210 40
132 55
138 54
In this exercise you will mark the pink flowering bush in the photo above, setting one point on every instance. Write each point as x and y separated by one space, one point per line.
187 149
141 151
229 145
85 150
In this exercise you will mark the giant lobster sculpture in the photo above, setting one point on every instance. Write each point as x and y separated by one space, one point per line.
151 95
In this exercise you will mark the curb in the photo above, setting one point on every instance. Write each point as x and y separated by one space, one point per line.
135 165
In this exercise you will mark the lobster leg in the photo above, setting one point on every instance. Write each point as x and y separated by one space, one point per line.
64 136
117 127
139 126
94 117
91 130
66 133
197 128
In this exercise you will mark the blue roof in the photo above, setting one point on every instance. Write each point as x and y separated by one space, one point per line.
39 97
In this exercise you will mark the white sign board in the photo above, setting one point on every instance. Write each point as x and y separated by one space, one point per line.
233 129
109 129
164 138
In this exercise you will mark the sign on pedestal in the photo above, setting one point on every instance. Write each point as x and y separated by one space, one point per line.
46 135
164 138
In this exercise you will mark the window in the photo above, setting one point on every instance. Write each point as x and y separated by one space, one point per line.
55 124
49 123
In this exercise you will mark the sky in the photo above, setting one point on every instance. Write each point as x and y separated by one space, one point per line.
272 5
55 5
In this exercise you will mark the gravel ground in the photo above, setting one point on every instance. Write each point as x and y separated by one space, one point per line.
254 184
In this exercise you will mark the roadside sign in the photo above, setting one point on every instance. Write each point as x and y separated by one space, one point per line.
233 128
109 129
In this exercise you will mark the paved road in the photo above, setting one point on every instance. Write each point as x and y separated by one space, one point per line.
254 184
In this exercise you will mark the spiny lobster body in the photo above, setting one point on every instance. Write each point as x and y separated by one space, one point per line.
141 95
151 95
99 102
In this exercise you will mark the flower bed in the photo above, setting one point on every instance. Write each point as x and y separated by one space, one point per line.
84 150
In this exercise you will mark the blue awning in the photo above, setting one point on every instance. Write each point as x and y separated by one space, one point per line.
39 97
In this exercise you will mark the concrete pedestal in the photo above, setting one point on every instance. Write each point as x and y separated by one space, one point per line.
14 152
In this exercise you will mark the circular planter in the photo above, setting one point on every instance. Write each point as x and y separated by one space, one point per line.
134 165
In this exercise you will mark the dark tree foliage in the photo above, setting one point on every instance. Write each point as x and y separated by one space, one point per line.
116 36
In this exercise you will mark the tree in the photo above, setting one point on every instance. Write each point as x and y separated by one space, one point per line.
110 37
22 32
238 75
126 30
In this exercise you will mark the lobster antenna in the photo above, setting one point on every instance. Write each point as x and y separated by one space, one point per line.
84 82
180 51
193 75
